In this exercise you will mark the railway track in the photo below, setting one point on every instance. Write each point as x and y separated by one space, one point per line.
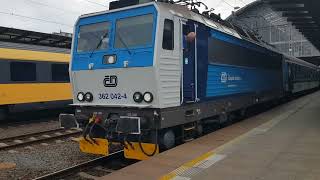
91 169
36 138
16 123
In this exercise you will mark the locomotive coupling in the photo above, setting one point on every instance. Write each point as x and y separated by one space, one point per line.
126 132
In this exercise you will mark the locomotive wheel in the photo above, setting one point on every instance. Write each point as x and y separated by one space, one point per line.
243 112
168 139
224 119
199 130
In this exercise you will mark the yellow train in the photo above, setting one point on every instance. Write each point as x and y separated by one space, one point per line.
33 77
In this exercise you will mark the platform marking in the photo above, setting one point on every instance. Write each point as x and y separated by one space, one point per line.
195 166
191 172
208 159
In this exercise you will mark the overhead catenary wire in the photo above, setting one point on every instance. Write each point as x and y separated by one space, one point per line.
62 9
244 3
228 3
218 4
96 3
37 19
36 2
52 7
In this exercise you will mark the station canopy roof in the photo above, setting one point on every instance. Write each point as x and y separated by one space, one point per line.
303 14
35 38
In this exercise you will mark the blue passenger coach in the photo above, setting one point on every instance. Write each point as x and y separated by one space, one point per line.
152 74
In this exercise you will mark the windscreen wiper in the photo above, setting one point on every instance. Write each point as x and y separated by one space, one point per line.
99 44
123 42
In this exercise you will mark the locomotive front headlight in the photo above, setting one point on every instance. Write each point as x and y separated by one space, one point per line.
80 96
110 59
148 97
137 97
88 97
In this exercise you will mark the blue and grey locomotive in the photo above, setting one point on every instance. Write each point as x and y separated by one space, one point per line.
150 74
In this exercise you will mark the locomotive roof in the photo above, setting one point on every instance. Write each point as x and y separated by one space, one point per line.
178 10
184 12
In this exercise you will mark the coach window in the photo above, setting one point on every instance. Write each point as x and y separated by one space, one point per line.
168 35
59 72
23 71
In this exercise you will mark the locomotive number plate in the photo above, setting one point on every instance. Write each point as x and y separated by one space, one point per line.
112 96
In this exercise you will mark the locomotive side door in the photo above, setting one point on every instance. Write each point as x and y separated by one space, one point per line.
189 63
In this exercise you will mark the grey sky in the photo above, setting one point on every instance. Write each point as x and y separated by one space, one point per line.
55 15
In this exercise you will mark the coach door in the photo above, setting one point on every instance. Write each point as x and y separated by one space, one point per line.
189 63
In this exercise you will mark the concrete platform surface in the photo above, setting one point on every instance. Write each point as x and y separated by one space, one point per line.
281 144
288 150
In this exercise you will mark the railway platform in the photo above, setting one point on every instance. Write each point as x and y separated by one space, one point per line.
280 144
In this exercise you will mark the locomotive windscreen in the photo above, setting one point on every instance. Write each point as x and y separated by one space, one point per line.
92 35
134 31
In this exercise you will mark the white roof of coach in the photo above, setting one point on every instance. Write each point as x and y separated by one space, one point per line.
300 62
115 10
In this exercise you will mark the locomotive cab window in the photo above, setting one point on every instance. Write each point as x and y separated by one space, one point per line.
23 71
168 35
93 37
134 31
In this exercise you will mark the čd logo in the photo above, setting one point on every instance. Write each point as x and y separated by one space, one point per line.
110 81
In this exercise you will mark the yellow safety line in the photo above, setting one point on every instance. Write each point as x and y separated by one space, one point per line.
187 165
